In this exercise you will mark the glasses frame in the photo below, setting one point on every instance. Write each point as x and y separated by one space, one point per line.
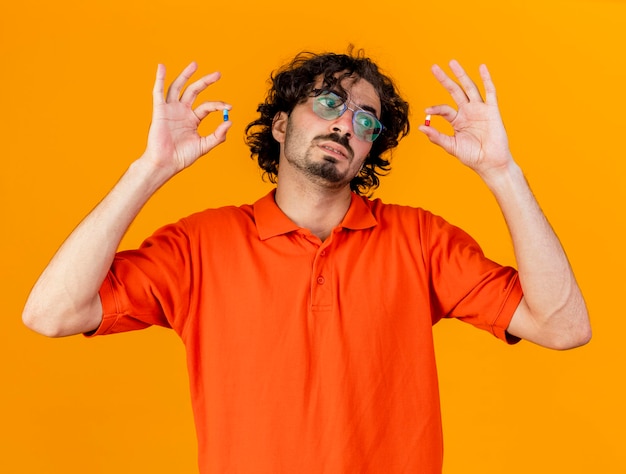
341 109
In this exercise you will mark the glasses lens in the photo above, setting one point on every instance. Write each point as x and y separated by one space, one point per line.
366 126
328 105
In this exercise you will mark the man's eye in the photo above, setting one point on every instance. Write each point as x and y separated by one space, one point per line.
329 102
366 120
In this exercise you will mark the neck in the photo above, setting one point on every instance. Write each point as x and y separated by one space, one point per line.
317 209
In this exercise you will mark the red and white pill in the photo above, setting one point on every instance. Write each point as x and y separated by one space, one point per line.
427 121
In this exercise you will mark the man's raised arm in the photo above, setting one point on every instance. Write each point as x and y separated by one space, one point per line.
552 312
65 298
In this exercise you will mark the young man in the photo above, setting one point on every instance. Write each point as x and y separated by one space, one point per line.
307 316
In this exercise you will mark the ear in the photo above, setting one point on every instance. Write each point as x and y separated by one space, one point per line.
279 126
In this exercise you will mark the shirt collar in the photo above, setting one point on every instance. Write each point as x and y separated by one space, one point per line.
271 221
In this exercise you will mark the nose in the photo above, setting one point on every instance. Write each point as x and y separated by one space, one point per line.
343 124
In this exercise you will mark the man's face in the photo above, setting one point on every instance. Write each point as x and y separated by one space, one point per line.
326 151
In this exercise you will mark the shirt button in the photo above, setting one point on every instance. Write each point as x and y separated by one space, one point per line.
320 280
323 253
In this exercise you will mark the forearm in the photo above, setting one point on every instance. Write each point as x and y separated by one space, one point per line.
555 314
552 312
65 298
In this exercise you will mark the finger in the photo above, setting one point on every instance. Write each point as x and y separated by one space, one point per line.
445 111
218 136
173 93
469 86
490 88
457 93
206 108
157 90
192 91
444 141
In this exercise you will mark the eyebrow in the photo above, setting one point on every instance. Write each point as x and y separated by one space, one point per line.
366 108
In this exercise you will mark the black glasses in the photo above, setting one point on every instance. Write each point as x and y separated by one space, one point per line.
329 106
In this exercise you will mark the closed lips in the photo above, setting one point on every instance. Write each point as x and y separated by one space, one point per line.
336 150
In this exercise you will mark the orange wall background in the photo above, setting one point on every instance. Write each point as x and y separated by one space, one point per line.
76 85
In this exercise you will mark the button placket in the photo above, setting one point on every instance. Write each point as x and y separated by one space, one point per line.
321 292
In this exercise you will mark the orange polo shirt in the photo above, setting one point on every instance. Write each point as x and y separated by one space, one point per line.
310 356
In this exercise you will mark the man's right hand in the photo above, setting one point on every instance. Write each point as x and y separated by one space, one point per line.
65 299
173 141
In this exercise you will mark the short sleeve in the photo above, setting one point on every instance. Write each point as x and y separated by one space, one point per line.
467 285
150 285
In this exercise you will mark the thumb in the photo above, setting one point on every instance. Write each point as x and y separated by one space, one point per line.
444 141
218 136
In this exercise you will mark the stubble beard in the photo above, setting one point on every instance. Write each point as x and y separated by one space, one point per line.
322 172
327 170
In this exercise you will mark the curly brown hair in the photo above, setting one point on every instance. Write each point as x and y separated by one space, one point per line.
294 83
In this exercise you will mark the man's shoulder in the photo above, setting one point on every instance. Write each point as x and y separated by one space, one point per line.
230 219
408 218
378 207
215 215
